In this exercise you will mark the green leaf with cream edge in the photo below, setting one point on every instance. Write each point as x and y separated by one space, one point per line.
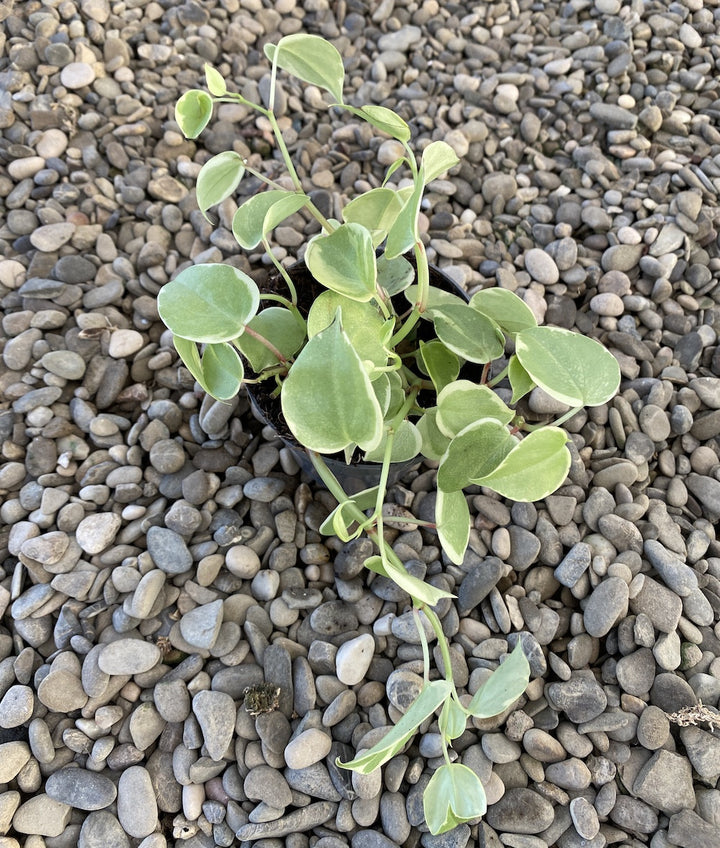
454 795
430 698
327 397
208 303
344 261
193 112
283 329
218 179
503 687
571 368
311 59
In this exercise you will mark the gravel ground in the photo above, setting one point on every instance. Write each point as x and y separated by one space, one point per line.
160 550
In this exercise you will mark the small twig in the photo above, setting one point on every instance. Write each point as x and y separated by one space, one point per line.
695 714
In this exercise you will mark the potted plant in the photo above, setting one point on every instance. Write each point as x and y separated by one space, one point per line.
371 360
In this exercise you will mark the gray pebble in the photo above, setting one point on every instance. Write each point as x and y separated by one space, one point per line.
605 606
84 790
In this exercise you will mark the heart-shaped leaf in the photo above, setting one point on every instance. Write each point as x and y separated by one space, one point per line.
475 451
419 590
404 232
441 364
429 699
571 368
461 403
452 518
367 330
386 120
394 275
376 210
504 686
453 719
218 179
505 308
533 469
219 372
437 298
454 795
437 158
520 380
344 261
465 331
249 222
362 500
193 112
406 444
284 330
208 303
214 81
328 399
311 59
434 441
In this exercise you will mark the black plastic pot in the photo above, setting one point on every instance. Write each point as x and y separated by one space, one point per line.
358 475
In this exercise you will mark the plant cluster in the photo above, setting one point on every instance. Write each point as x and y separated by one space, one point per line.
378 365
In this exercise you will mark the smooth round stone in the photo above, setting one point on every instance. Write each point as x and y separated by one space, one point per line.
585 818
242 561
97 531
676 575
353 659
654 422
607 604
51 144
64 363
167 456
168 550
263 489
570 774
520 811
27 166
16 706
311 746
84 790
200 626
215 712
51 237
74 269
172 700
42 816
77 75
62 692
268 785
13 756
403 687
129 656
125 343
653 728
541 266
607 304
581 698
542 746
102 830
136 805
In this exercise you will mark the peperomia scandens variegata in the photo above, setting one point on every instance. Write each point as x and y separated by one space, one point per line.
384 365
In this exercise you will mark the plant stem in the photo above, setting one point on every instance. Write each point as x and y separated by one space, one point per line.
424 643
283 273
423 275
499 377
406 327
556 423
442 642
267 343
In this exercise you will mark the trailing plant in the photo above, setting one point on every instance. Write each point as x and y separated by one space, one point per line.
377 366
